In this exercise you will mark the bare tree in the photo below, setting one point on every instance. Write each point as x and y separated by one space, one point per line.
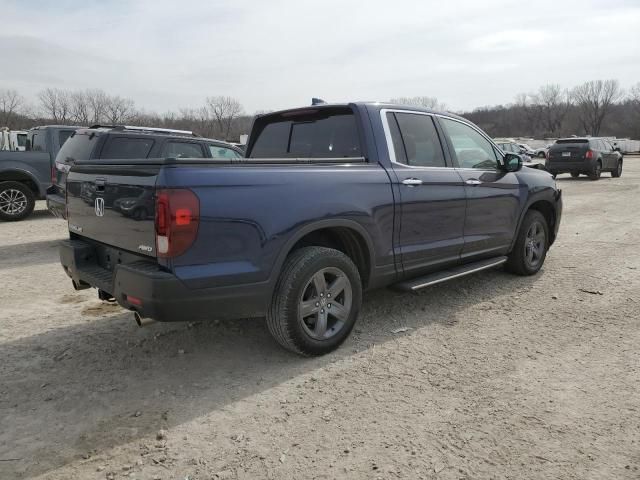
55 104
118 110
223 110
553 102
98 101
10 104
425 102
594 100
80 107
634 97
531 113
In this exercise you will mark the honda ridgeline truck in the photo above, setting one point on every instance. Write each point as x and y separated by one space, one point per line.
331 200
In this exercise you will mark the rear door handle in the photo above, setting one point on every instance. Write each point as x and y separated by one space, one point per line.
412 181
473 181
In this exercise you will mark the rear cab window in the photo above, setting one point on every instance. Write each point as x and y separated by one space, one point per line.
309 133
127 147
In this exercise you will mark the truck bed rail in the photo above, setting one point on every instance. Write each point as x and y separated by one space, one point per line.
222 161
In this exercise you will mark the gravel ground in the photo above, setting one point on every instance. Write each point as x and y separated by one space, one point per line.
495 376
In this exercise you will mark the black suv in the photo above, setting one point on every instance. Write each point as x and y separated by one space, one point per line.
124 142
590 156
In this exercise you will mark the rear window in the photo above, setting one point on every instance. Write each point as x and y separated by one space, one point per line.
77 147
63 135
325 133
126 147
39 141
572 140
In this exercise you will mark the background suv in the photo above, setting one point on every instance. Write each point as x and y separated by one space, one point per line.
123 142
590 156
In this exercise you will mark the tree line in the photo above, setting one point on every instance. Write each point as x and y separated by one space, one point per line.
597 107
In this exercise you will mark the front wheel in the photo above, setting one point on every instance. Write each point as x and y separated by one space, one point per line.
530 249
16 201
316 301
618 171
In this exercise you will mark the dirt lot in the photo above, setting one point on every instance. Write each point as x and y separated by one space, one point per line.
496 376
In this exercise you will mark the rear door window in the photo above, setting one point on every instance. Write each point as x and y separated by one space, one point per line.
316 134
183 150
127 147
419 144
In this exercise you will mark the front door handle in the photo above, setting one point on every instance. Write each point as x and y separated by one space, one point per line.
473 181
412 181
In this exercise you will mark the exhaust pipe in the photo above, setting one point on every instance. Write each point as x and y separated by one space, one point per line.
142 321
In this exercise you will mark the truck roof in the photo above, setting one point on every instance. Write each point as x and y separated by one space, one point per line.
44 127
377 105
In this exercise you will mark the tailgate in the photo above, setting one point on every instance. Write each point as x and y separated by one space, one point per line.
568 151
114 204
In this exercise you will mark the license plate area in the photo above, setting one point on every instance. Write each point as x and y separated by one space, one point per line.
566 154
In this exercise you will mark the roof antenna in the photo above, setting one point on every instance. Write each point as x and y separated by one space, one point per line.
317 101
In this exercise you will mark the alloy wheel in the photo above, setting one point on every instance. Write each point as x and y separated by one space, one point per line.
13 202
325 304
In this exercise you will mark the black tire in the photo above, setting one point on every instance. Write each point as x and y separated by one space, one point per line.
596 172
285 319
140 213
617 173
520 261
575 174
553 174
16 201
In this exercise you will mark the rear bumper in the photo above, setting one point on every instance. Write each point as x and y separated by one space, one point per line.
56 203
143 287
563 166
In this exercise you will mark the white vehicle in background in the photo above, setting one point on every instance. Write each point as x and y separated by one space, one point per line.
527 149
13 140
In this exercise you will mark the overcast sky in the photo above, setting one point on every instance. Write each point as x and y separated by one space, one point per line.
279 53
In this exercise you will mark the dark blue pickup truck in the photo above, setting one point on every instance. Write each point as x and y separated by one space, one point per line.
330 200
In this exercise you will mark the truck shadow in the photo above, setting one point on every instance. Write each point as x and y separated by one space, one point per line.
73 391
30 253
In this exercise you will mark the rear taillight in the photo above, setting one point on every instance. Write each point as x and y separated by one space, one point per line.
589 154
177 219
548 154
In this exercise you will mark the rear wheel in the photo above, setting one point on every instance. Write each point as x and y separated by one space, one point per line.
16 201
596 172
618 171
316 301
575 174
530 249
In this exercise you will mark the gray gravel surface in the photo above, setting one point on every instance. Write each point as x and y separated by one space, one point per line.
488 376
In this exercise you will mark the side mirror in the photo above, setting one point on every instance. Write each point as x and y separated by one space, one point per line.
512 162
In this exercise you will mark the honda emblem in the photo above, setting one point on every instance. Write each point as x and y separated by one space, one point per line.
99 207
